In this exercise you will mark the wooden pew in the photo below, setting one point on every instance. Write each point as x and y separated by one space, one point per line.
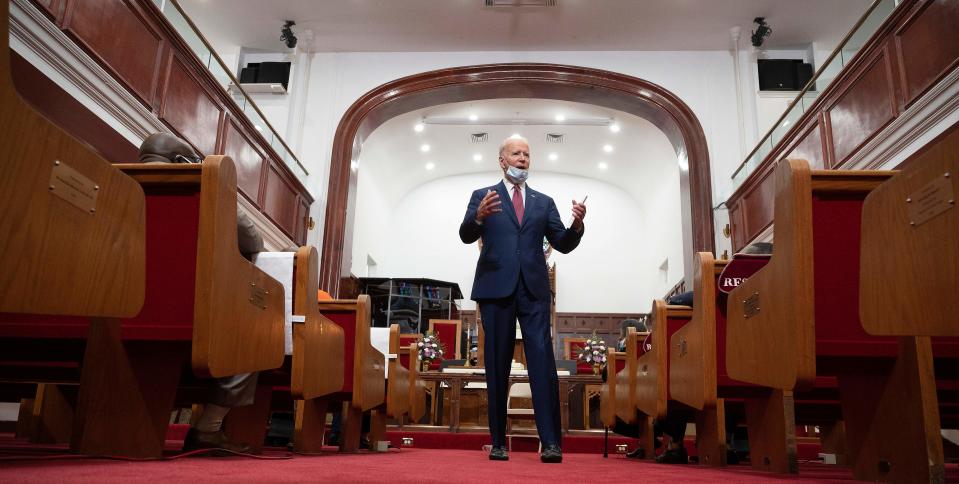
71 225
314 370
622 390
362 388
406 365
798 318
913 214
204 303
61 206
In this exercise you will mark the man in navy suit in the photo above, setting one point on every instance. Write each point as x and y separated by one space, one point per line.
512 282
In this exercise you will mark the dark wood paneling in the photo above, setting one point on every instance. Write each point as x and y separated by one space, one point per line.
66 112
863 109
248 160
302 222
928 45
189 109
280 200
119 36
737 226
810 148
50 7
757 207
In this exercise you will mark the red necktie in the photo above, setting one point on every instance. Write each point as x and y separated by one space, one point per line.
518 203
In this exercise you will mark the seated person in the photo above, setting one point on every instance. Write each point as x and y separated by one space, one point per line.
231 391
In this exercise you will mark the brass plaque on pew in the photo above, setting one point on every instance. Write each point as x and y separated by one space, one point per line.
258 296
751 306
74 188
931 200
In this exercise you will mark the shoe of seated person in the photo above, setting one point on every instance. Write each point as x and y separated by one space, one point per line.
197 439
673 456
638 453
551 454
498 452
333 439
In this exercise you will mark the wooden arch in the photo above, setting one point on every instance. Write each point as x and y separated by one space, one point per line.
515 80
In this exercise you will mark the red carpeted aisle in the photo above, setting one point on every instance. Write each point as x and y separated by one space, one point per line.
29 464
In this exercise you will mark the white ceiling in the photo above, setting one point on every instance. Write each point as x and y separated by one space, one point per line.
468 25
642 157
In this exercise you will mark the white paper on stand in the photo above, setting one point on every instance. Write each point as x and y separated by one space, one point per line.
279 265
380 339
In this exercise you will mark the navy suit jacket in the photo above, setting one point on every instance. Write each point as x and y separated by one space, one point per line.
511 248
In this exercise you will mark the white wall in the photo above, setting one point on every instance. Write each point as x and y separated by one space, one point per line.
703 80
614 269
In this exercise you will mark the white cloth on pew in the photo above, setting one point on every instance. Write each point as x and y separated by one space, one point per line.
279 265
380 339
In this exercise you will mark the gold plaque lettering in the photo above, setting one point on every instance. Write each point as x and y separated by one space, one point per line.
751 306
71 186
931 200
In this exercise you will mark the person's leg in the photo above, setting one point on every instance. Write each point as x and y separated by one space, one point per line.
674 426
535 324
499 326
224 394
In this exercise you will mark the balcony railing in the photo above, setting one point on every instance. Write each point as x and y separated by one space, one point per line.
847 49
198 43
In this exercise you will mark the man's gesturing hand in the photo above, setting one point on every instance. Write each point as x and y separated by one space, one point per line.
489 205
579 213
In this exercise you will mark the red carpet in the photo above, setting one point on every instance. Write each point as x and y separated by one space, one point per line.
19 463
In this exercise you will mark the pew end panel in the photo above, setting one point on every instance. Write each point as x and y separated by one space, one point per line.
72 227
693 361
615 362
914 213
363 379
770 332
625 393
418 387
235 309
318 359
399 379
652 376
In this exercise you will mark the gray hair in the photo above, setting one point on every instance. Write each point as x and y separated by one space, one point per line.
502 146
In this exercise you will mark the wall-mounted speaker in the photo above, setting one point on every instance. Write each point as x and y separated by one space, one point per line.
783 74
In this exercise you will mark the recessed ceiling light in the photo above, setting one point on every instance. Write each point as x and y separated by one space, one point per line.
477 157
560 118
424 148
553 157
602 165
515 136
608 148
473 117
430 165
418 127
614 127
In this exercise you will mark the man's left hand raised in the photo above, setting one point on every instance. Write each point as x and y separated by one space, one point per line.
579 213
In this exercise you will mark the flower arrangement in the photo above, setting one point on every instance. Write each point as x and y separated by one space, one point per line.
594 352
430 348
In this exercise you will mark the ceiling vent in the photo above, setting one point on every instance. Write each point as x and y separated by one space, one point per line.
520 3
479 137
555 137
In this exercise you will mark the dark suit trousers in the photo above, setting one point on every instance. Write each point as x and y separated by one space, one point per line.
499 324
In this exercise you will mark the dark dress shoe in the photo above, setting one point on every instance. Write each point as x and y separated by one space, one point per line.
498 452
674 456
552 454
196 439
639 453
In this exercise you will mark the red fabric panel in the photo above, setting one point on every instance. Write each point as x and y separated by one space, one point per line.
446 332
18 325
575 347
836 231
739 269
347 321
405 341
172 228
620 364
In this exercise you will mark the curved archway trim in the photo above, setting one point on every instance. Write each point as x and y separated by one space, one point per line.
515 80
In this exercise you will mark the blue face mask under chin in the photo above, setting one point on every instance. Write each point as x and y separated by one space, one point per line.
517 175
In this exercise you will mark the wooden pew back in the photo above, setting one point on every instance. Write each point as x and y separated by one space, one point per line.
913 214
652 387
234 314
71 226
625 378
363 379
399 384
318 360
781 326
